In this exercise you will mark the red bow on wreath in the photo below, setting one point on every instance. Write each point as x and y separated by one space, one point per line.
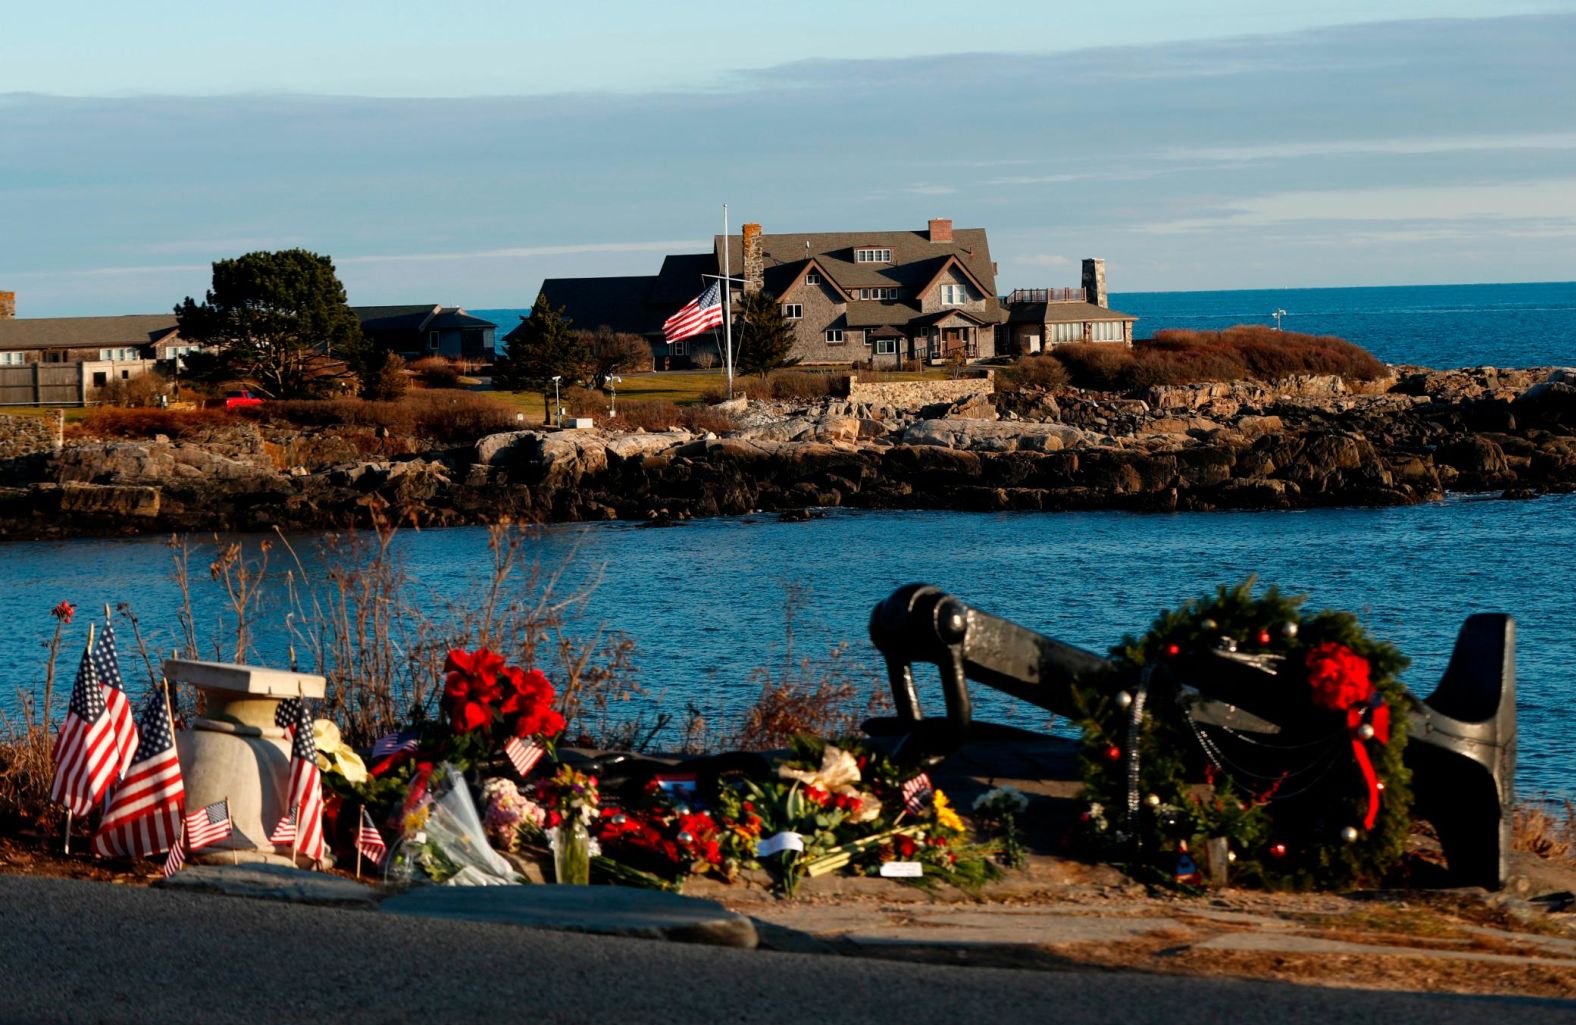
1339 679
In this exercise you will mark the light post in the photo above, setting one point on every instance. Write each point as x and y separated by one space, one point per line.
1278 314
558 410
613 381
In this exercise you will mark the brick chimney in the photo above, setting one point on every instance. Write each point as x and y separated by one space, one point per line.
754 260
941 229
1094 282
7 305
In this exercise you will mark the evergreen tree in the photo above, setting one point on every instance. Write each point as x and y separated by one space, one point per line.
270 313
765 336
542 348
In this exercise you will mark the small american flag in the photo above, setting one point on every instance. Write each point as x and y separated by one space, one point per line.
524 754
177 858
208 825
394 743
702 312
106 665
144 813
303 818
86 758
917 793
369 841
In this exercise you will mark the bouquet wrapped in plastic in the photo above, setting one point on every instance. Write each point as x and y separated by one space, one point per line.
442 839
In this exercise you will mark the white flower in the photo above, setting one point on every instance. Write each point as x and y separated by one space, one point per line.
1002 801
838 773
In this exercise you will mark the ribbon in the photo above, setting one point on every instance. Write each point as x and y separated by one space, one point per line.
1381 725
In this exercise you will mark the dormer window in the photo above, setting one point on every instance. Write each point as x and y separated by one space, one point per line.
878 293
872 255
954 295
812 278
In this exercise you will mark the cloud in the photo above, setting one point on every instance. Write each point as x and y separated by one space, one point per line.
1239 153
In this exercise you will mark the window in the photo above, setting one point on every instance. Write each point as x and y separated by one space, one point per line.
1061 334
678 348
812 278
1108 331
872 256
177 351
432 340
12 358
118 355
954 295
792 311
886 346
834 336
878 293
100 379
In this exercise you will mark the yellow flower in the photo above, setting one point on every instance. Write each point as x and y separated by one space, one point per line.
946 818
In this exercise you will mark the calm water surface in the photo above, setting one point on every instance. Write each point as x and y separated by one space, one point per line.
705 602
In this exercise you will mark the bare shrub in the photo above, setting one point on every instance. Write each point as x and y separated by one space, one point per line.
820 696
614 352
1546 830
801 385
1042 371
705 359
26 769
139 391
1244 352
115 422
441 415
436 372
657 415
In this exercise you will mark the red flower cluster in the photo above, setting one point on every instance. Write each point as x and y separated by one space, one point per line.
63 612
1338 677
479 690
842 802
528 699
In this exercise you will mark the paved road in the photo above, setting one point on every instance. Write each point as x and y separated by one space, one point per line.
93 952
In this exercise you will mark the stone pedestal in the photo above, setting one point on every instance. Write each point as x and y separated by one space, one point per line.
235 752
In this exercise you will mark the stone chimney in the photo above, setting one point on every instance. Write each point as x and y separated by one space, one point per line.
1094 282
754 259
7 305
941 229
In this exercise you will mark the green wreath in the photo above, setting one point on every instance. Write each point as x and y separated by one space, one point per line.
1313 795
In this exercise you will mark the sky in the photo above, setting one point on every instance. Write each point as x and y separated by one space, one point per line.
461 157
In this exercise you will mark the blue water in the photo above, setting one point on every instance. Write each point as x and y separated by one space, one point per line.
705 602
1514 325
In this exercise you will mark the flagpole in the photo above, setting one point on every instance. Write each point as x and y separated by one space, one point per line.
67 849
727 304
359 821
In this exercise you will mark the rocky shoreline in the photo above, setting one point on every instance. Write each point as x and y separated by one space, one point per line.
1410 437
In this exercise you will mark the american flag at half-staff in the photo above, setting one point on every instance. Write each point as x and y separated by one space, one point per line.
207 825
144 813
106 664
524 754
917 793
702 312
85 754
303 818
369 841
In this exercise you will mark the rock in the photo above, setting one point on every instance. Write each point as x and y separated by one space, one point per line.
272 882
605 910
1258 426
109 500
494 446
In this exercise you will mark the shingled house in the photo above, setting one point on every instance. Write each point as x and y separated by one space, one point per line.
890 296
428 330
79 353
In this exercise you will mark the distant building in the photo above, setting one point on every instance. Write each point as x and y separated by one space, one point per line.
1043 318
417 331
887 297
81 353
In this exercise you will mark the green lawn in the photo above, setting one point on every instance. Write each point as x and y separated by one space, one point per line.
680 387
74 414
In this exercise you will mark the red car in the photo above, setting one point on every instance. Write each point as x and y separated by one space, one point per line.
238 399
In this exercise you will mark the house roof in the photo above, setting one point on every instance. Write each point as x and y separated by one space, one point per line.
454 317
394 318
680 279
618 303
84 332
915 259
1062 313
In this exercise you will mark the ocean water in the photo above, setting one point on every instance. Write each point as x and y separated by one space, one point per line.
706 602
1443 326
